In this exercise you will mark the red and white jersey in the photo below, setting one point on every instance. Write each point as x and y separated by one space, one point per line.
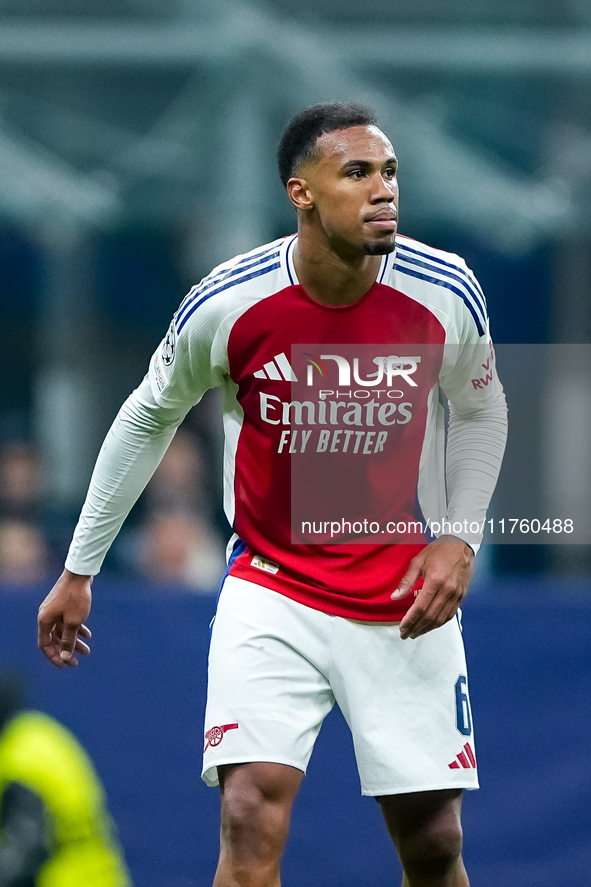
294 389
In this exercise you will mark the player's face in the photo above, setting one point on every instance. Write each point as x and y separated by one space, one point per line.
354 190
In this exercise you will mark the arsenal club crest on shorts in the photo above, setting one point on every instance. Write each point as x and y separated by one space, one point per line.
215 735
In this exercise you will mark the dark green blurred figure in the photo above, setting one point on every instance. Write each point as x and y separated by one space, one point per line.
54 827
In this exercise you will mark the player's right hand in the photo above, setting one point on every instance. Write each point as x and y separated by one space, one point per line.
61 620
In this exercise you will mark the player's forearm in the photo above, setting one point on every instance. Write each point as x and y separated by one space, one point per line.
475 448
129 456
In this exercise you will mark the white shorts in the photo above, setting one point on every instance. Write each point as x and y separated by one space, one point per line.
276 668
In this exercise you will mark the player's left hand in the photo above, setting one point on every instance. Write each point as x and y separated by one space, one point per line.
445 566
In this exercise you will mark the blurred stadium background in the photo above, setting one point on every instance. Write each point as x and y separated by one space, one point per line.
137 144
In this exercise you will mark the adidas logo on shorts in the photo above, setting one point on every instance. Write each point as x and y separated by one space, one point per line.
465 760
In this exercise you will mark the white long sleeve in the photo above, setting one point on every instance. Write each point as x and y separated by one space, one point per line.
475 447
131 452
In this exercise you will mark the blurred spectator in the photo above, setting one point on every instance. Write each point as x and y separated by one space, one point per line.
21 485
24 556
176 543
179 548
24 551
54 827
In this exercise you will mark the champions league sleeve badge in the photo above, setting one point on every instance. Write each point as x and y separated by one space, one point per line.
169 344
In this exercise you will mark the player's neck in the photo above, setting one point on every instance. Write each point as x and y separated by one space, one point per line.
331 279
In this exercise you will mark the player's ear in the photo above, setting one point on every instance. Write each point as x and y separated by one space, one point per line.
299 193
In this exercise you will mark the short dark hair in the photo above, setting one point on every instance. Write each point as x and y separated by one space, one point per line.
298 142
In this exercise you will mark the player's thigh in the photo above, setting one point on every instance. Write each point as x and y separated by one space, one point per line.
258 794
268 690
275 782
256 803
407 704
426 816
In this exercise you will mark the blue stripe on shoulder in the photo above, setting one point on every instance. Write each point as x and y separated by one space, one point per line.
448 286
204 287
435 259
218 275
439 261
463 272
461 276
218 289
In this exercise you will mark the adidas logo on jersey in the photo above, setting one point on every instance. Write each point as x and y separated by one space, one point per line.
278 368
464 760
